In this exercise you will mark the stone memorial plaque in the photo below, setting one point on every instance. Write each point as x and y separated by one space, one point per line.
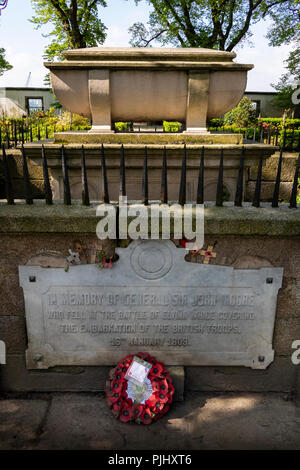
151 300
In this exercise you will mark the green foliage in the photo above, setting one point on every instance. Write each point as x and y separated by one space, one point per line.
218 24
40 120
285 30
170 126
285 90
278 123
241 115
75 24
122 126
291 139
285 24
4 65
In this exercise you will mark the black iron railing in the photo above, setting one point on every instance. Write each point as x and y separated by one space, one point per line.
14 134
219 200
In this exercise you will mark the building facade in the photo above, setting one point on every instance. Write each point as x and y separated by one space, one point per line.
18 102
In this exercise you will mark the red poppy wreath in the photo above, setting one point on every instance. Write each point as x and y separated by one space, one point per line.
142 405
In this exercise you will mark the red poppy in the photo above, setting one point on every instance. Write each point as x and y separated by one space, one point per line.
163 386
127 403
158 407
161 397
117 405
125 415
164 410
155 385
157 369
128 358
112 373
116 385
119 375
144 356
146 416
137 410
151 401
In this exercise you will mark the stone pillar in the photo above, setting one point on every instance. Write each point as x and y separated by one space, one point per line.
99 95
197 102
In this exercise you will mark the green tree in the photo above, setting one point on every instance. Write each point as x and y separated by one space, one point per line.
242 115
285 89
75 24
287 32
4 65
217 24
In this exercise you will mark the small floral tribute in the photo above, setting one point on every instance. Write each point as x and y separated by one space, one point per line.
142 404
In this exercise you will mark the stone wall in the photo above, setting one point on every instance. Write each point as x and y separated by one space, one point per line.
269 173
245 238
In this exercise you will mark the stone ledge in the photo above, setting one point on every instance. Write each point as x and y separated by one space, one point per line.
16 378
83 137
221 221
279 377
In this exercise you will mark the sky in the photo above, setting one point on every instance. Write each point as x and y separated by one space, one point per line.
24 45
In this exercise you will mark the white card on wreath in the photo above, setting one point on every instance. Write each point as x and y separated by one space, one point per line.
138 370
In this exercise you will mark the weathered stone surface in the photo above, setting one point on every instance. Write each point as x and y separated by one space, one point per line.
18 247
48 260
134 84
267 190
12 302
84 422
187 314
288 304
15 164
20 422
12 332
144 138
36 188
278 377
219 221
178 377
16 378
269 171
287 330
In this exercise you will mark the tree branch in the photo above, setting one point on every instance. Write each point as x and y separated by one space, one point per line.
159 12
246 26
147 42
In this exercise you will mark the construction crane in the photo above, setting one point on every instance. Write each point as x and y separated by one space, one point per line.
28 80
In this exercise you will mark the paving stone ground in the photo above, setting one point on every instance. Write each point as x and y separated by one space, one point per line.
82 421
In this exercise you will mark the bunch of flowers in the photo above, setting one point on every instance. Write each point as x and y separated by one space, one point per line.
133 410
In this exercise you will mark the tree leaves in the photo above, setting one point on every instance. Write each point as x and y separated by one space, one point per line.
75 24
4 65
216 24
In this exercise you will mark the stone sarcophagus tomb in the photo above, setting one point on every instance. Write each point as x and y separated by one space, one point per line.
148 84
151 300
